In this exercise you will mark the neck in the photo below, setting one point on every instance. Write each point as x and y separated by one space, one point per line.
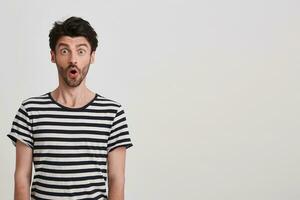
73 97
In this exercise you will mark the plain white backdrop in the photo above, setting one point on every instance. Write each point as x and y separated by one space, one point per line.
210 88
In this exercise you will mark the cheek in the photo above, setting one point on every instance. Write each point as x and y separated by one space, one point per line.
61 69
86 59
83 63
60 59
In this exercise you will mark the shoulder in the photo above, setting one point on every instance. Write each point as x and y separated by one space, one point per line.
37 99
108 101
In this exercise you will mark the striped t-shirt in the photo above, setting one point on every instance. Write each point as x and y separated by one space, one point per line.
70 145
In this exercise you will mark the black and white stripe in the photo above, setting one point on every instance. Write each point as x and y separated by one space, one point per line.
70 145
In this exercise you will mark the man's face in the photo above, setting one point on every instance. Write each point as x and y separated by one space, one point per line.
72 57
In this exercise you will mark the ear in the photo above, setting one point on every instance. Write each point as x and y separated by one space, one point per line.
52 53
93 57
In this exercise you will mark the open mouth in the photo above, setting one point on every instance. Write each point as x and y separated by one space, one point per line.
73 73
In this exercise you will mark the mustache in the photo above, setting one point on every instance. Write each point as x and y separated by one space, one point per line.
72 66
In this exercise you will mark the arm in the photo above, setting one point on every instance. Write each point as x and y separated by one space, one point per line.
23 171
116 173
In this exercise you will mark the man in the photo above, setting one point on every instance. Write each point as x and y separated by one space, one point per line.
75 138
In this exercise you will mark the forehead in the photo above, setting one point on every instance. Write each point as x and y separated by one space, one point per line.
72 41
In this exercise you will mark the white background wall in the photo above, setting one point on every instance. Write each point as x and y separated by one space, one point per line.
211 90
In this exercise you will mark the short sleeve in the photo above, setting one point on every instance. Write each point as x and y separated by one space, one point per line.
119 134
21 128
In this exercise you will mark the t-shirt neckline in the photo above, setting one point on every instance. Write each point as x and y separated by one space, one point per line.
70 108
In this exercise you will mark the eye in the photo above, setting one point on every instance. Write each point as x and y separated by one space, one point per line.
81 52
64 51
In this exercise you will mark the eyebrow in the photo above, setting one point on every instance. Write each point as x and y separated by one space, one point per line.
78 45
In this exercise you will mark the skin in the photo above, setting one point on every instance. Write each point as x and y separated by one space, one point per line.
23 171
71 53
116 173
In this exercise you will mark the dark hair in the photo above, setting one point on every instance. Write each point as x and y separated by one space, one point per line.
73 27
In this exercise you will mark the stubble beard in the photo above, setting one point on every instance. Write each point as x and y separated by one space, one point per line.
80 77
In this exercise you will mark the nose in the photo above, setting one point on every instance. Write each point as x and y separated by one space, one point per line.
73 58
